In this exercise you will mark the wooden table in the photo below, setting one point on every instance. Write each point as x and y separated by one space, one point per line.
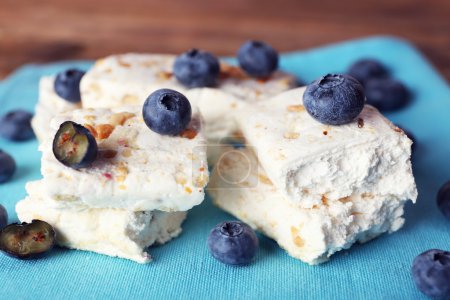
49 30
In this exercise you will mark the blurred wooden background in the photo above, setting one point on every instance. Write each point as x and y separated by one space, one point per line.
48 30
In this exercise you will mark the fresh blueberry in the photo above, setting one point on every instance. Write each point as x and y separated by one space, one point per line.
7 166
366 69
386 94
74 145
257 59
3 216
67 85
27 240
16 125
196 68
431 273
233 243
334 99
443 199
167 112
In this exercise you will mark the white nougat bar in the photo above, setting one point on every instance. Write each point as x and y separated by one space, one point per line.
241 187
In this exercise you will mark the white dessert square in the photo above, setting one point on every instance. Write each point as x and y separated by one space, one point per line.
113 232
48 106
136 169
307 160
129 79
241 187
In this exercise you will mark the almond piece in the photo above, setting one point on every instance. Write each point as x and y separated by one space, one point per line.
104 131
120 118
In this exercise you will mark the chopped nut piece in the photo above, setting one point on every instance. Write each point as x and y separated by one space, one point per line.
108 153
201 181
121 62
148 63
345 199
324 200
164 75
296 108
126 152
298 241
104 131
188 133
228 71
120 118
121 178
367 196
291 135
90 118
122 172
130 99
188 190
263 80
264 179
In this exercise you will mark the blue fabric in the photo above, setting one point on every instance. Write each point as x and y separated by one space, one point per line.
183 268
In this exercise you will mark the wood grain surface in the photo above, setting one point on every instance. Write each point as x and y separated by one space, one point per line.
50 30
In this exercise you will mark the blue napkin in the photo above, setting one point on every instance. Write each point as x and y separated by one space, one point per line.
183 268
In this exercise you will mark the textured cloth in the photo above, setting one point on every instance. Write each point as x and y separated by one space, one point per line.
183 268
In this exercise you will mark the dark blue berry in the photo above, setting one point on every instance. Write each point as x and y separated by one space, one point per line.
7 166
258 59
27 240
443 199
3 216
334 99
233 243
16 125
74 145
366 69
431 273
386 94
167 112
196 68
67 85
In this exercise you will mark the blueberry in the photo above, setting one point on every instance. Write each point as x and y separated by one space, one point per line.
431 273
27 240
3 216
366 69
257 59
443 199
167 112
74 145
67 85
16 125
233 243
196 68
7 166
334 99
386 94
